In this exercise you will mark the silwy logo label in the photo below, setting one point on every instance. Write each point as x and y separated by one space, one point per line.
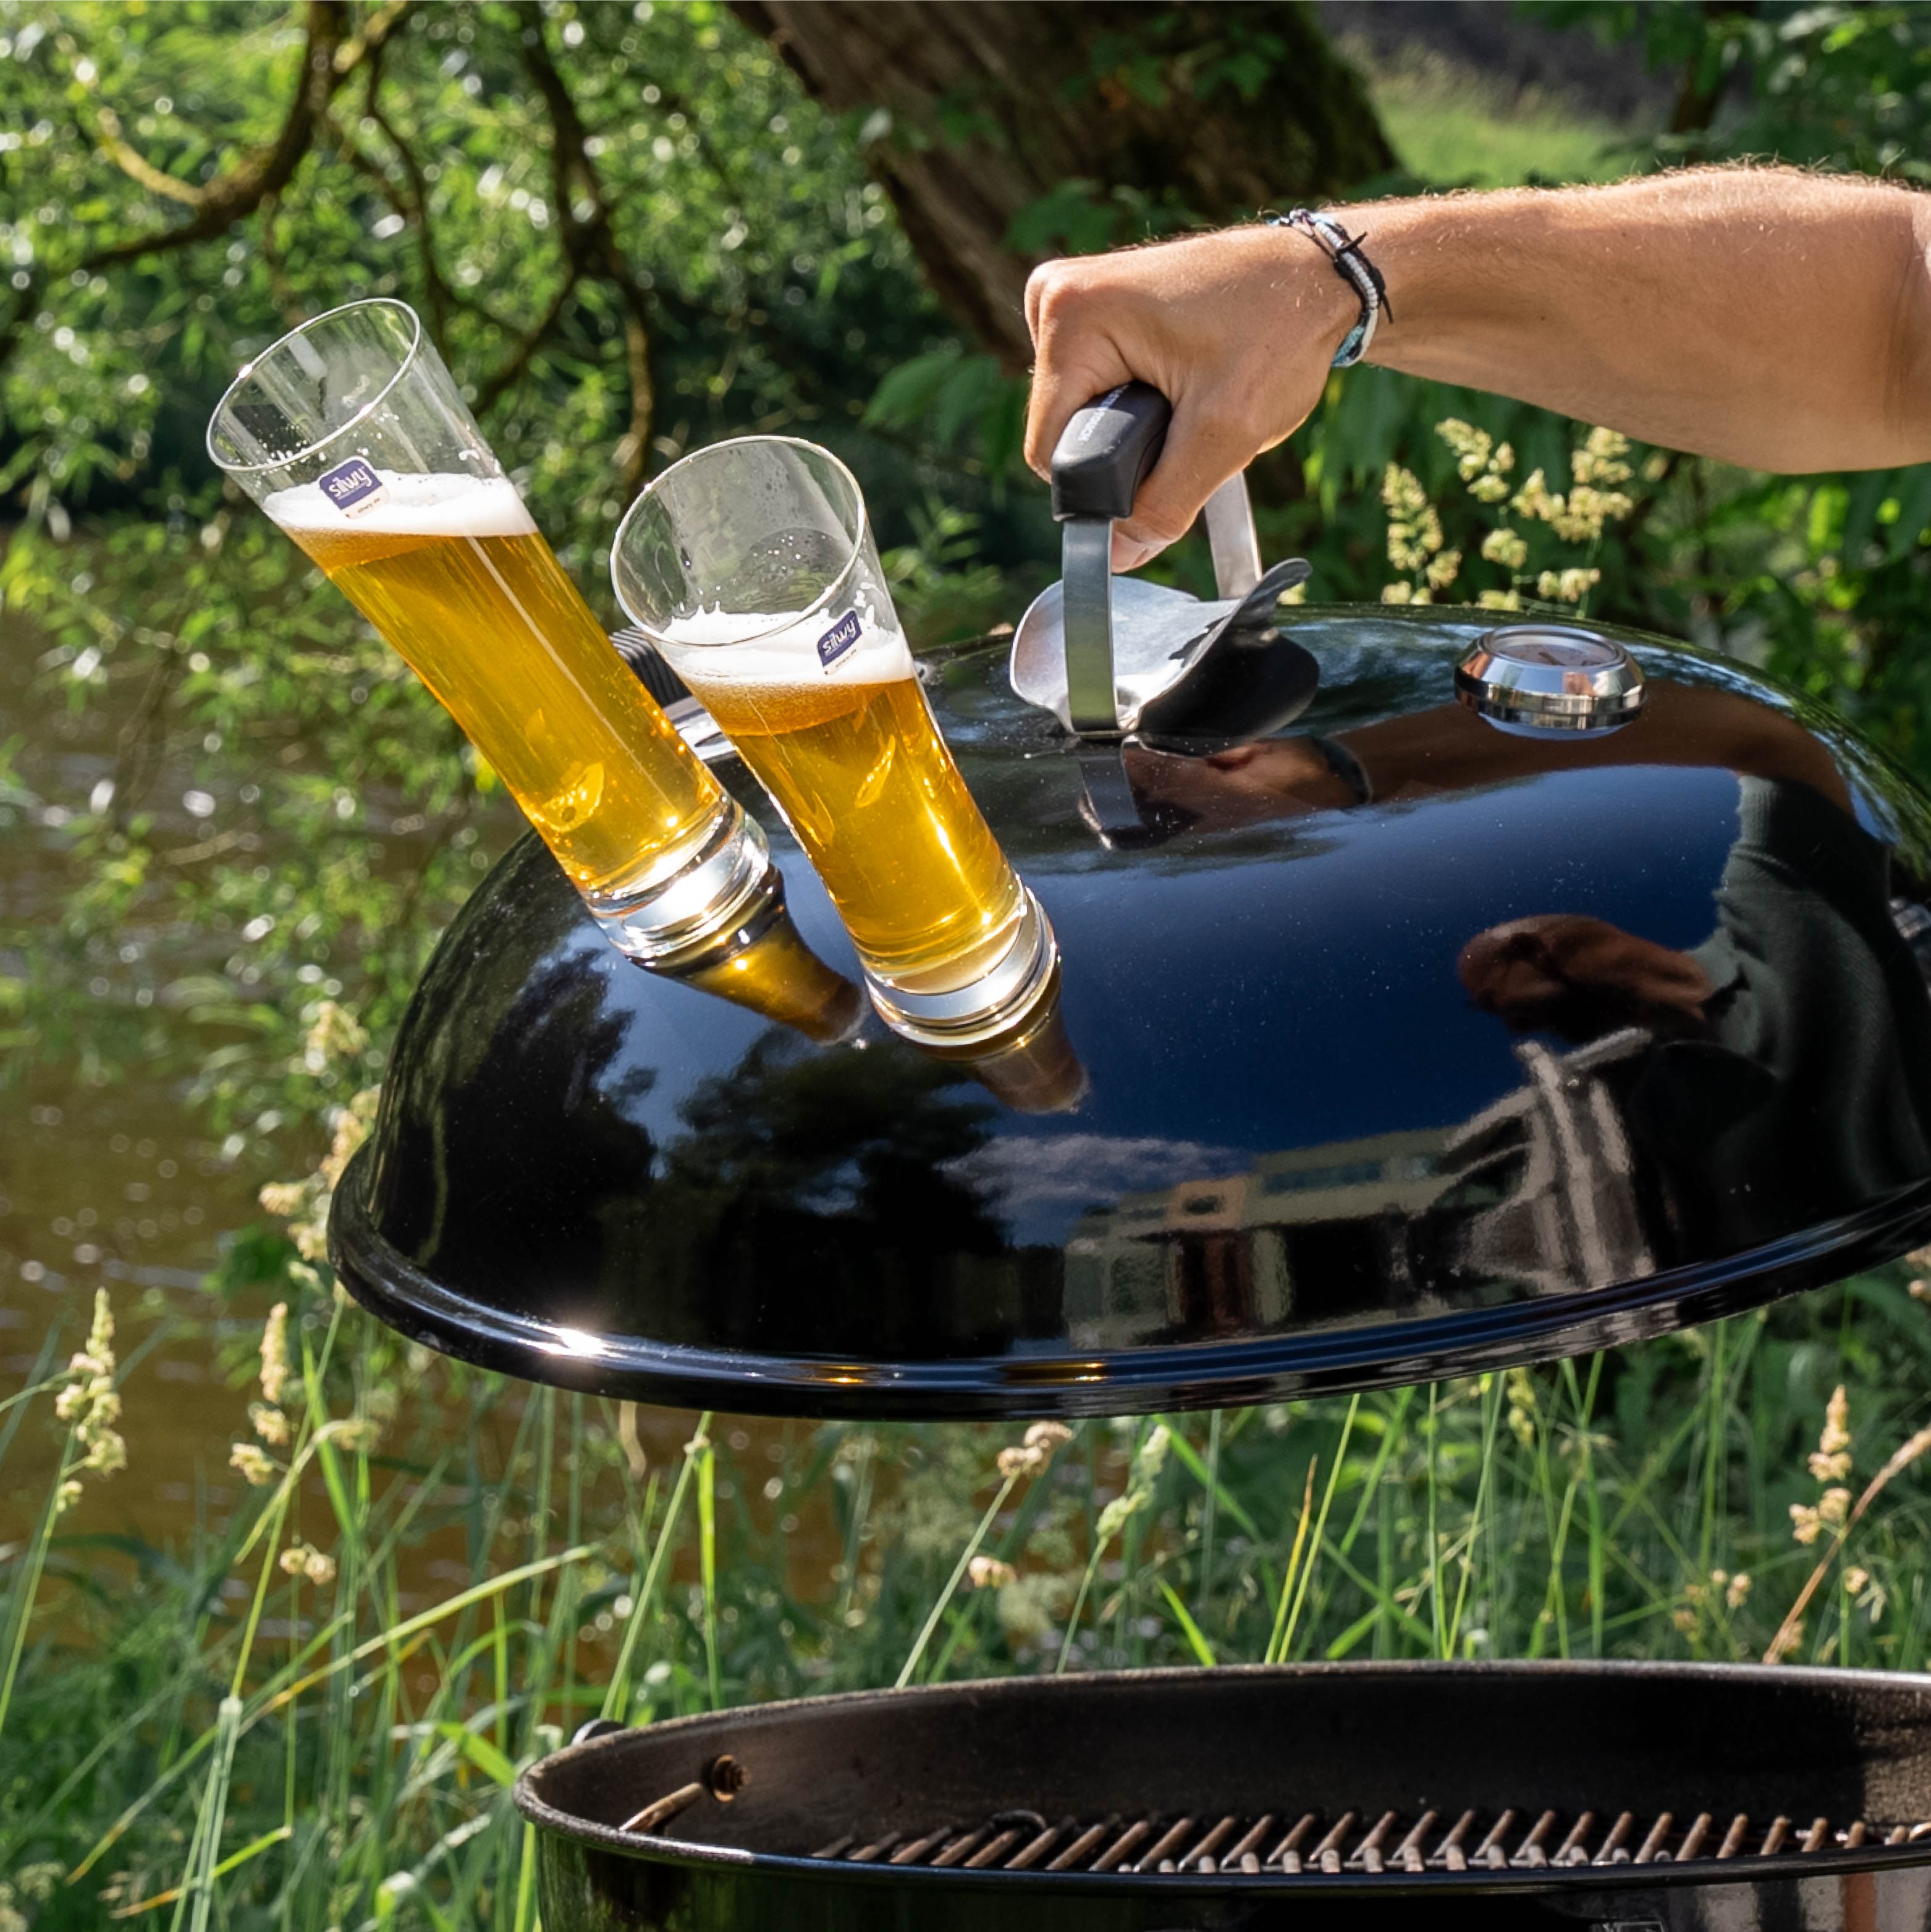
352 486
838 639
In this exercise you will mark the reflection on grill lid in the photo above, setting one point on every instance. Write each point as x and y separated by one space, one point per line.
1391 1046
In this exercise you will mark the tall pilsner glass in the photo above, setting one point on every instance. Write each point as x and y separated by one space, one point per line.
752 566
350 434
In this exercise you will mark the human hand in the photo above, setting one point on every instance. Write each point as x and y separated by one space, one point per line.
1237 330
1582 977
1247 785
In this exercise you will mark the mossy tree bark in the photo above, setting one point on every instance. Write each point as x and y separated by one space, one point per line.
1005 132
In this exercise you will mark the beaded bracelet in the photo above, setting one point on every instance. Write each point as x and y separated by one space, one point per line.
1343 251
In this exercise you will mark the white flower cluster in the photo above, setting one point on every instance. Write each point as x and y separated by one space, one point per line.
1417 545
1481 463
269 1420
1029 1456
1829 1462
90 1405
1147 1463
1415 539
304 1560
1591 501
333 1034
1734 1591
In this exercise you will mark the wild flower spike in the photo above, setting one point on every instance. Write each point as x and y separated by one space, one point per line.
1047 1436
1738 1594
988 1573
335 1034
274 1355
1507 547
357 1434
1836 1434
1471 445
101 1336
257 1470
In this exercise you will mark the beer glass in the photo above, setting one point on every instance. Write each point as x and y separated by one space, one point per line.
350 434
751 564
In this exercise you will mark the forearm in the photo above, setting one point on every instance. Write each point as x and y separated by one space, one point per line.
1773 319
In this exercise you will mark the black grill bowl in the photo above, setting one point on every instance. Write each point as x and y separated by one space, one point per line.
1548 1785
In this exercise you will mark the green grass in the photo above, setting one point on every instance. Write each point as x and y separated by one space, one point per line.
1454 128
202 1738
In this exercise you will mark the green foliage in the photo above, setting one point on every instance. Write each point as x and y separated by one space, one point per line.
1454 128
288 818
285 820
433 1577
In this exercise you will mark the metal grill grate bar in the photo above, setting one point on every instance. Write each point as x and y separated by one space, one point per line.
1043 1842
1121 1845
1352 1841
910 1854
1081 1846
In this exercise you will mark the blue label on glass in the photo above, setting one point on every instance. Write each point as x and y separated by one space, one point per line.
352 486
838 639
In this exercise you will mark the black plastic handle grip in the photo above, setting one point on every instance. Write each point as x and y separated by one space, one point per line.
1104 453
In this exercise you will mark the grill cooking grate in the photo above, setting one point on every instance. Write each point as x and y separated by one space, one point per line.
1521 1840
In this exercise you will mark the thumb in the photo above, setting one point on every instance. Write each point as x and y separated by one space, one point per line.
1202 450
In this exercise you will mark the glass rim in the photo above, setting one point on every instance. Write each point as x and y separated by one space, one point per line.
826 597
245 373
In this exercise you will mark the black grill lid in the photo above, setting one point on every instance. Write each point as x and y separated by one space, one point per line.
1410 1044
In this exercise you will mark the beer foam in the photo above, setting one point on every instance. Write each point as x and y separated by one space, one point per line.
784 650
411 505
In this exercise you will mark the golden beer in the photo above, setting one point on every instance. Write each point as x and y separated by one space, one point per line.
752 566
453 573
865 780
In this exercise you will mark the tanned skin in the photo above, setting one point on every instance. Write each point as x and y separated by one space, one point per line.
1766 317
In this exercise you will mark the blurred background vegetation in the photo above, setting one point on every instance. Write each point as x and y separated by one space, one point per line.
234 827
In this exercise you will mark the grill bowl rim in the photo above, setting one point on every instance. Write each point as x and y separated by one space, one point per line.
1572 1881
1156 1379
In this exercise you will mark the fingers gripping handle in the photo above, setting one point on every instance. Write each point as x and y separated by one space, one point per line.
1104 452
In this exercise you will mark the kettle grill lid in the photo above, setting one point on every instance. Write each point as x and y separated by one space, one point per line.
1413 1045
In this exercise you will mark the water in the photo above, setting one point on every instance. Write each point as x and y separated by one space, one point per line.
122 1185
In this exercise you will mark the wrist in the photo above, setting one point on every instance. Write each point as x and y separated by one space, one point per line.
1326 231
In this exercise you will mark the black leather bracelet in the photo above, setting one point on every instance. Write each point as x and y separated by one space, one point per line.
1344 252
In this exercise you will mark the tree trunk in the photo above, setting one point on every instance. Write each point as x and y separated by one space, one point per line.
1009 130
